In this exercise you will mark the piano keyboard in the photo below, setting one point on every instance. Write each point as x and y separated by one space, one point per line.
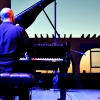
44 59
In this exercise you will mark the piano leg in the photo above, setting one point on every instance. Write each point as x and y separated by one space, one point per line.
62 94
63 84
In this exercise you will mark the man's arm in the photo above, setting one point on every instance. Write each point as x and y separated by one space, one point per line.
28 46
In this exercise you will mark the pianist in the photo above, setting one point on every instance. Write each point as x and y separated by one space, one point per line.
13 40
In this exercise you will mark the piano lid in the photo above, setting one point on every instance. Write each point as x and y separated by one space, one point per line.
28 16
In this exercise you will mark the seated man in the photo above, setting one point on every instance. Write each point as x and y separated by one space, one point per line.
13 40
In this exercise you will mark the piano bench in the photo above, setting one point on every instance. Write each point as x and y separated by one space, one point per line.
16 84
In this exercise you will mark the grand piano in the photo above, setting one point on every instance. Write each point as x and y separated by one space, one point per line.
47 56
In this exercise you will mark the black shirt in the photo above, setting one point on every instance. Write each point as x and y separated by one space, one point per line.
13 40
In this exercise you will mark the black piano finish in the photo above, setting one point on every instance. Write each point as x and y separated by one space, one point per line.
31 65
50 51
28 16
45 52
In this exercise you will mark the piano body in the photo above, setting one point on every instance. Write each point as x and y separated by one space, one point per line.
47 56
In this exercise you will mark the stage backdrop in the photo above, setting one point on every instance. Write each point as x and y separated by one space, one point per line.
74 17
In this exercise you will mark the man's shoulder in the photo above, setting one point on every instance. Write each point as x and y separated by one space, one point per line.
11 26
18 28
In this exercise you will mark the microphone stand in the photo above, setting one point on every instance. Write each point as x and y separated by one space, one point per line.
55 20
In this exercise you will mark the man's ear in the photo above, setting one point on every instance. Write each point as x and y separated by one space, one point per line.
1 18
0 21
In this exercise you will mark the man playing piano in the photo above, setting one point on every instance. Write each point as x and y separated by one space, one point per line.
13 40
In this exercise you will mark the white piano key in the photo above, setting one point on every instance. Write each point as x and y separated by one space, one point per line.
44 59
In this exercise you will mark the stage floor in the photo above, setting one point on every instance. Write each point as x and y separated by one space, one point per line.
71 94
